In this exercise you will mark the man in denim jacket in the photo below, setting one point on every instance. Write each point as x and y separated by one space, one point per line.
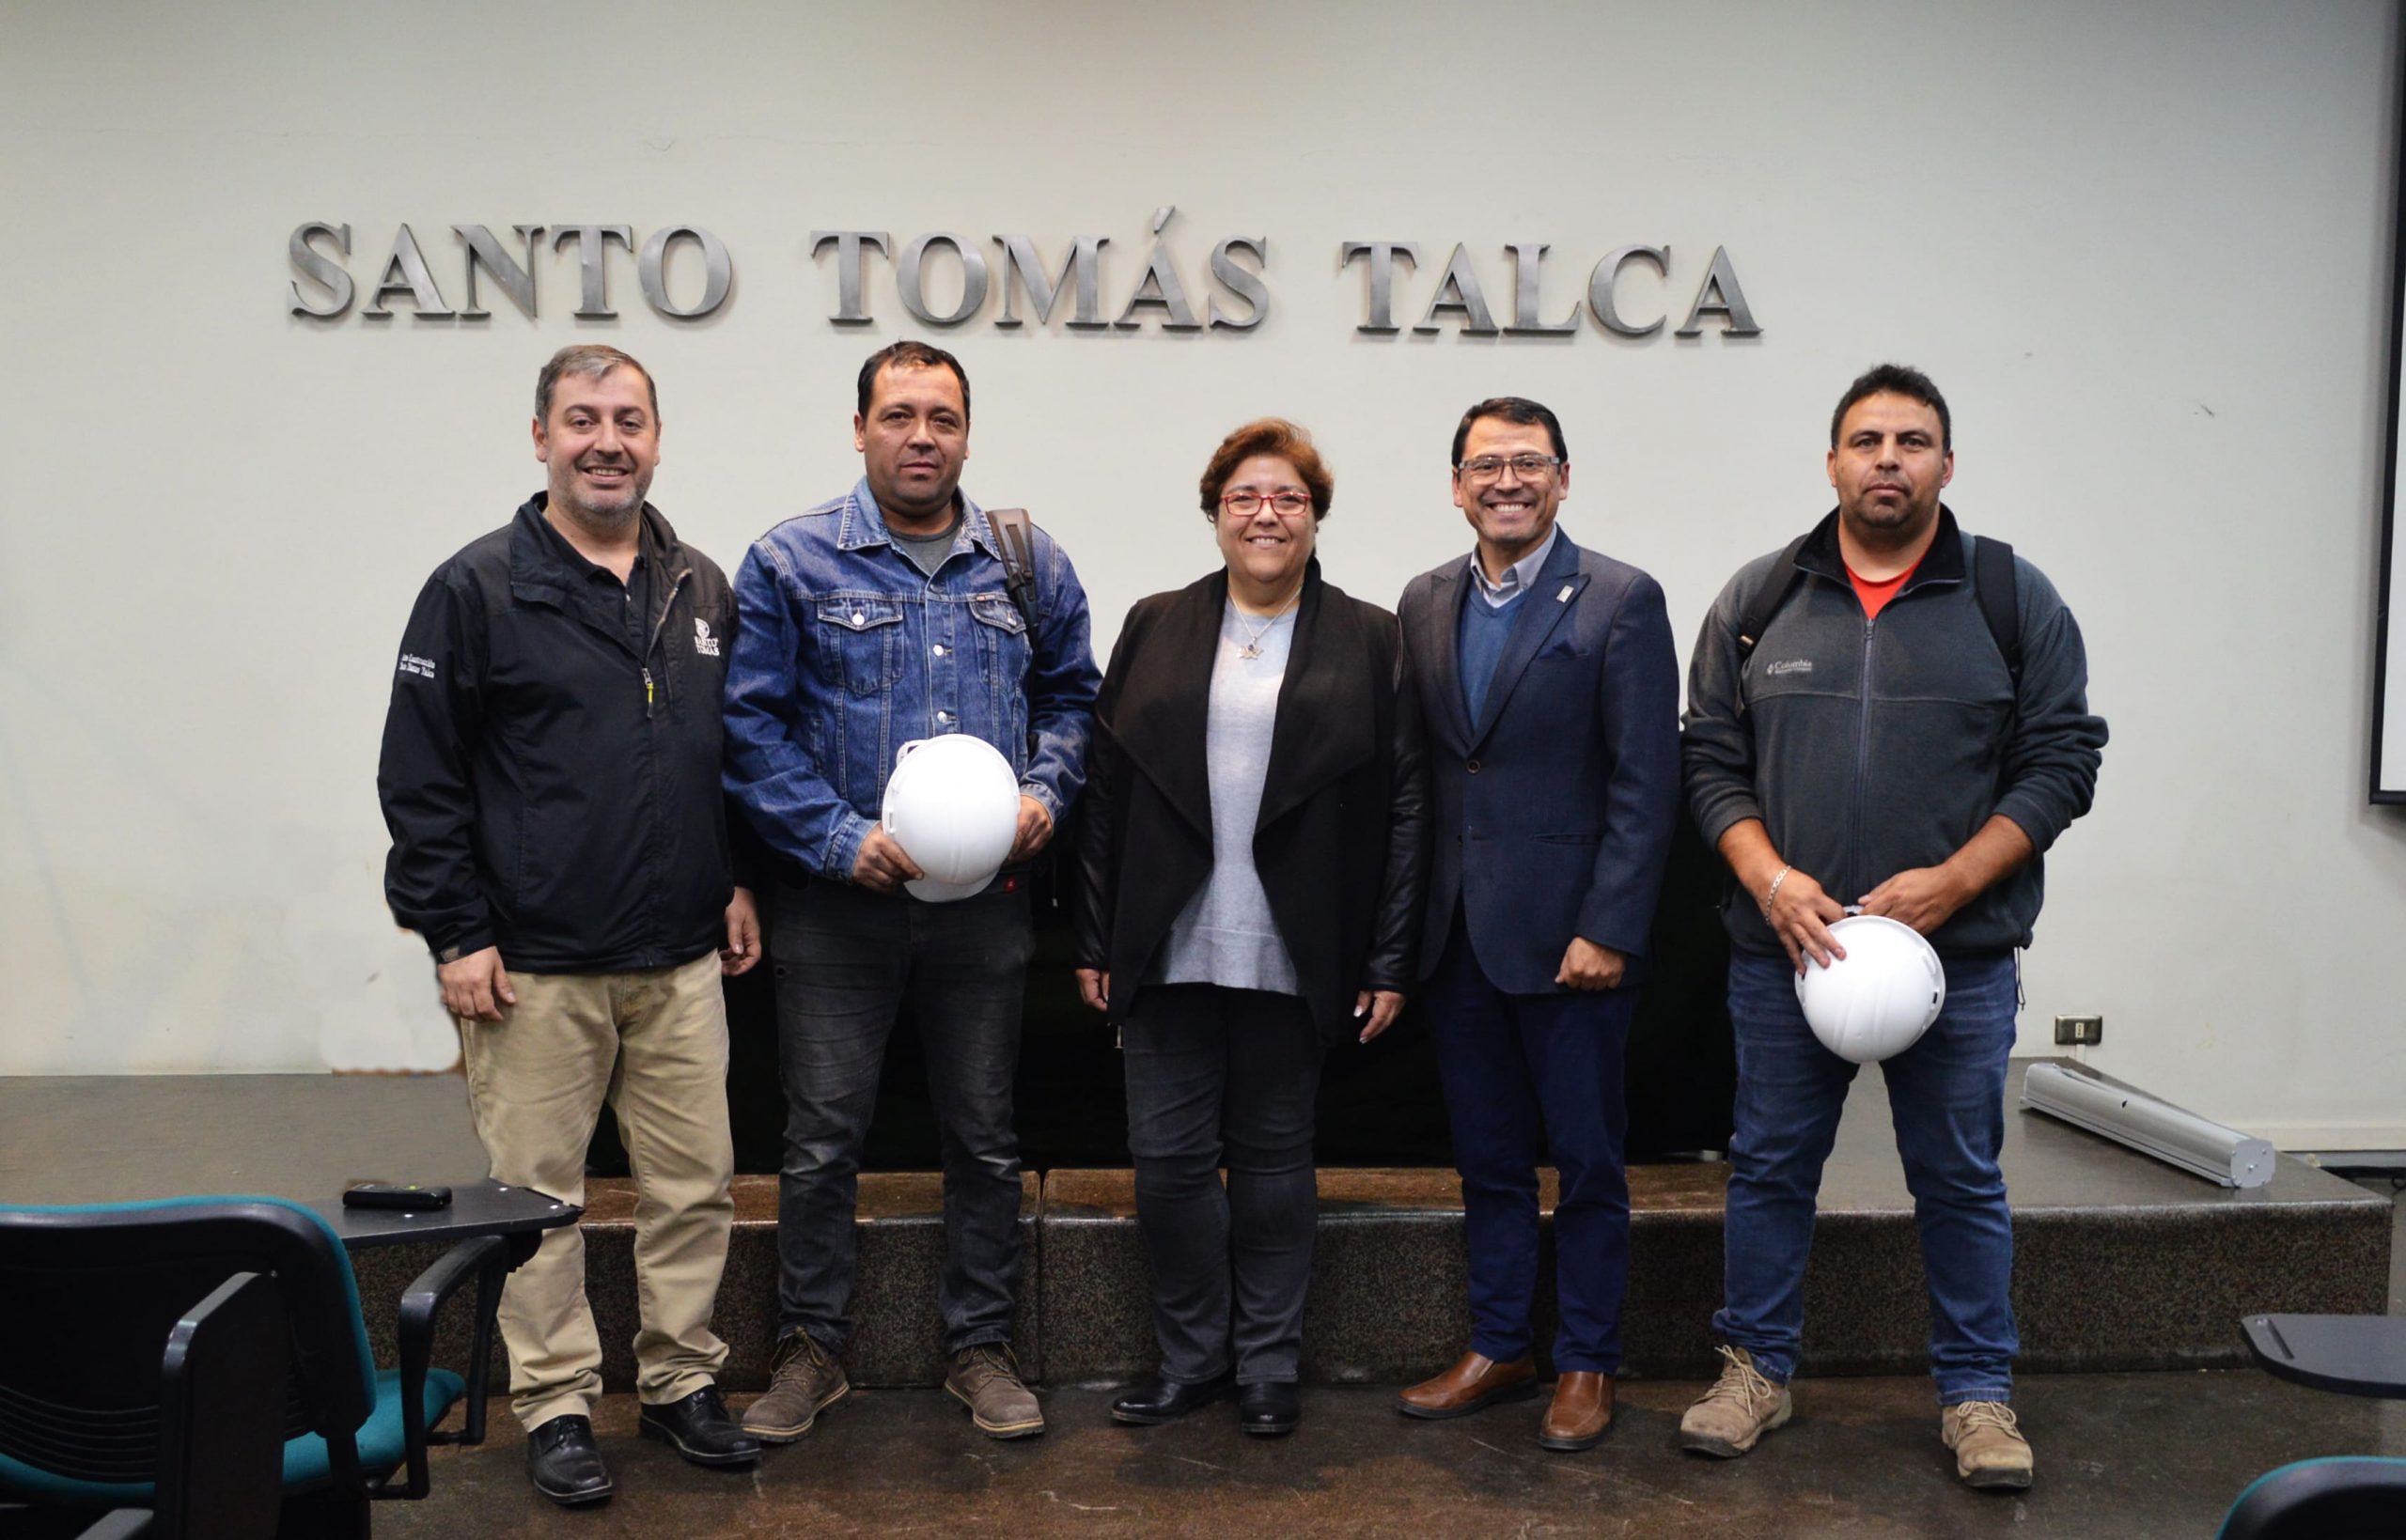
877 618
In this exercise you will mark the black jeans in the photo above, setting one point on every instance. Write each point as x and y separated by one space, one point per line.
847 959
1221 1075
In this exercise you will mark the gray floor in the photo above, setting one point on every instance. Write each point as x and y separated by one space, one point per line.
2120 1455
2126 1455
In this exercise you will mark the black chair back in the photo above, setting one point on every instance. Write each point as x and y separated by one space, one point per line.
94 1296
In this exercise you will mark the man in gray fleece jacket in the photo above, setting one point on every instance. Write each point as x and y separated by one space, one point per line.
1885 742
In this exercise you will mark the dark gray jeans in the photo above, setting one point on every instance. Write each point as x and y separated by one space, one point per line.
847 960
1225 1075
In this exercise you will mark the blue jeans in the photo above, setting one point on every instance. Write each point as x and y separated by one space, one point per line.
1526 1076
1946 1096
846 960
1225 1075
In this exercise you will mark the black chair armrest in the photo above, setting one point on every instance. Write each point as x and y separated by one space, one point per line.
486 1256
221 1412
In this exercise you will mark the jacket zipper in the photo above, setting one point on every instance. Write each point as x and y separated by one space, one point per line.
675 588
1863 751
1862 761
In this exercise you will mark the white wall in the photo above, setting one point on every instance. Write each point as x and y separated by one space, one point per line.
2144 249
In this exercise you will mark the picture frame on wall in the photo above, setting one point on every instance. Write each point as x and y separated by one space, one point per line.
2389 642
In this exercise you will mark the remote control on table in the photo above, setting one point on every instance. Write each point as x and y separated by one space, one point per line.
392 1195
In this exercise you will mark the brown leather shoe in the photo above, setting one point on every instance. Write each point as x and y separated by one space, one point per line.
1581 1414
1474 1383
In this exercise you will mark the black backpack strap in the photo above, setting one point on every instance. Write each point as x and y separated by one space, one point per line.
1015 541
1766 600
1996 586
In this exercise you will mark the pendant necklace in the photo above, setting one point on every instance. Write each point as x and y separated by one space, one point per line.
1252 648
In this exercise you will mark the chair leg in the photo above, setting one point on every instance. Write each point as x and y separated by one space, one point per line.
323 1515
489 1284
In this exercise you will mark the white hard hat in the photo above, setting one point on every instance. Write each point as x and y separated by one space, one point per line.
1879 998
952 803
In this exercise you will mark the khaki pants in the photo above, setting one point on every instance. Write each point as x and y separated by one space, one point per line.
653 1044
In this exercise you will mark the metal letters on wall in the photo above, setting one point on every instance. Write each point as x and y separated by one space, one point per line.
945 279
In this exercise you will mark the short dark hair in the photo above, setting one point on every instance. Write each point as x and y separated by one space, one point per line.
587 361
1895 380
909 354
1269 436
1513 408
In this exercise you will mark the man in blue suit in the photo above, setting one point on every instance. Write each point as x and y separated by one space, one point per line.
1551 695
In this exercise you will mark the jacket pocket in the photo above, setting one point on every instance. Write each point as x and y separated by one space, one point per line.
859 634
999 618
1005 651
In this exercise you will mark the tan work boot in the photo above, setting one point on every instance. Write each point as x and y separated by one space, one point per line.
805 1379
1990 1450
985 1378
1741 1407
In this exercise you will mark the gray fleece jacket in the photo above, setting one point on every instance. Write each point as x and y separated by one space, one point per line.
1869 747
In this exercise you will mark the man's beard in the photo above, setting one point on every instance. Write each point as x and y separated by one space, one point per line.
610 520
1868 514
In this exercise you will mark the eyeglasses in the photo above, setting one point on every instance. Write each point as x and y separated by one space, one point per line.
1286 505
1527 467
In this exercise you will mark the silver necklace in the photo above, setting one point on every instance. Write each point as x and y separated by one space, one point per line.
1252 648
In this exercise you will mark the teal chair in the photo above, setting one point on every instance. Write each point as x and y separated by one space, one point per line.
89 1296
2345 1497
2341 1498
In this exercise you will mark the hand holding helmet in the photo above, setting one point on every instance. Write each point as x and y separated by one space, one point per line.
1878 998
952 804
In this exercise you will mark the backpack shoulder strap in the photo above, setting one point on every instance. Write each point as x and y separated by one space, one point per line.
1998 590
1015 539
1765 602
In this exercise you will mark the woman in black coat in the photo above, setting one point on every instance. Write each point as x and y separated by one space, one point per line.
1253 853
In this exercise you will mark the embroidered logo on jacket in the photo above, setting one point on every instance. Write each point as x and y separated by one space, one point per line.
704 643
422 667
1789 665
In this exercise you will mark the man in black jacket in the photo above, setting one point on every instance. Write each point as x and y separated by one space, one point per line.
1881 715
551 779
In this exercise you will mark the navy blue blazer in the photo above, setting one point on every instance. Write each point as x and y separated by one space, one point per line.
1552 815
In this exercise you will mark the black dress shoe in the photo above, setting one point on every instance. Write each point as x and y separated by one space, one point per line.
1269 1408
564 1464
700 1428
1166 1400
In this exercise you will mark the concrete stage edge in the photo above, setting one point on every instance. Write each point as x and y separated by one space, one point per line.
2120 1262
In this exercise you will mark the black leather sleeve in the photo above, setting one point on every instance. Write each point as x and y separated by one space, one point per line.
1095 891
1395 936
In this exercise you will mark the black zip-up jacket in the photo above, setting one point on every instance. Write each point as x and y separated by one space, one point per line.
1871 747
550 780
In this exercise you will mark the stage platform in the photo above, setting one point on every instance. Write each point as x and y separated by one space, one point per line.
2120 1263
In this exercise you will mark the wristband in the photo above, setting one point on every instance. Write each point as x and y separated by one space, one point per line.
1773 892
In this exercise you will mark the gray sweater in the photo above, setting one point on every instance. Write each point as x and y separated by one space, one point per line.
1869 748
1225 934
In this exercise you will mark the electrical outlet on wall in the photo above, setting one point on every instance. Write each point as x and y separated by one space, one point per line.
2080 1031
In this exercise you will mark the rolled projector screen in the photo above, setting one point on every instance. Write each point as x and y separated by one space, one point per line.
2148 1125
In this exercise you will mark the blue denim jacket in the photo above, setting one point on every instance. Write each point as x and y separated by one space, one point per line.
845 651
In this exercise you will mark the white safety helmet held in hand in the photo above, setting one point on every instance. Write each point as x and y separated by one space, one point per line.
1879 998
952 803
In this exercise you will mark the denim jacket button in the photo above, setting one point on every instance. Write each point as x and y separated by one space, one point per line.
859 619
